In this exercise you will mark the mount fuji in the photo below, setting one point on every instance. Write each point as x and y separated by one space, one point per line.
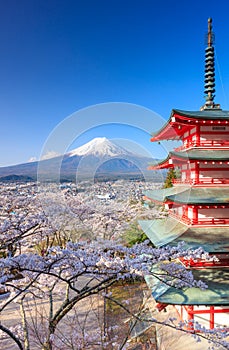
100 157
100 147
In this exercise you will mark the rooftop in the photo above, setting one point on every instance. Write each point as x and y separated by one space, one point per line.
171 129
211 114
216 294
190 195
170 231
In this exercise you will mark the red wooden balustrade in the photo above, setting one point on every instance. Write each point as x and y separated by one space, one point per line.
205 143
200 221
203 181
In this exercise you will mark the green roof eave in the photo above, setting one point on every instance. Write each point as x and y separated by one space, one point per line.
200 154
162 231
204 114
160 195
160 163
216 294
168 230
207 196
190 195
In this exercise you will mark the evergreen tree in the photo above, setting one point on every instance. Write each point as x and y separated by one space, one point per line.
171 174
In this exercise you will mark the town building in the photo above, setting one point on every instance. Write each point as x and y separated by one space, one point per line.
197 205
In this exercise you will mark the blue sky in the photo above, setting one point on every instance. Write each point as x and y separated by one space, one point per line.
58 57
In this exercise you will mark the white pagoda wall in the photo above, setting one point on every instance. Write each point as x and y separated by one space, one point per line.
189 136
209 133
190 213
184 167
217 213
215 171
206 133
219 174
213 213
179 211
220 319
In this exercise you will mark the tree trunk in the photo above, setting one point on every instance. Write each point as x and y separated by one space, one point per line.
24 325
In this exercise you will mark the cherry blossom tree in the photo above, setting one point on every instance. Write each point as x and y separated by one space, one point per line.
79 271
48 287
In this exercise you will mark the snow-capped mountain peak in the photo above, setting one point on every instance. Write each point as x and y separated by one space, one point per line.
99 147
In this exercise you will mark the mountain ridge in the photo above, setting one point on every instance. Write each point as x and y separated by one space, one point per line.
98 157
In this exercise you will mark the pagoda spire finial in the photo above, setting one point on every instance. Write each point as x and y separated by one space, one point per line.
209 81
210 33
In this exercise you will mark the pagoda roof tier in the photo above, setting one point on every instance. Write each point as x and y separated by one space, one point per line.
202 154
190 195
206 114
181 121
216 294
170 231
192 154
160 195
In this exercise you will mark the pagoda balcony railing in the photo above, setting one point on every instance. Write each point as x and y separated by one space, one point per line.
200 221
200 263
203 143
203 181
180 182
182 218
212 221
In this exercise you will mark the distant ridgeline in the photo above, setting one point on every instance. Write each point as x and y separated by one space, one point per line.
109 160
16 178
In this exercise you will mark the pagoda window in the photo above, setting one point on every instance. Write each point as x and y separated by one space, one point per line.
187 139
186 144
183 176
176 209
193 130
186 134
184 172
194 175
180 211
194 139
193 213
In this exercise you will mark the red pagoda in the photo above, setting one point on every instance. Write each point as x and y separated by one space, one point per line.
197 205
